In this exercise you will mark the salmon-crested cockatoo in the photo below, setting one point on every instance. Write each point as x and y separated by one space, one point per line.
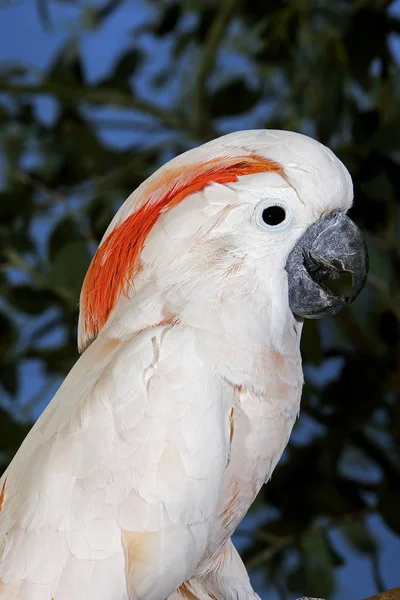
132 482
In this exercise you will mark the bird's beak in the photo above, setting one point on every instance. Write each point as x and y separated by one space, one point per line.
331 246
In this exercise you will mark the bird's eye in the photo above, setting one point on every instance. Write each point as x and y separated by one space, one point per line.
273 215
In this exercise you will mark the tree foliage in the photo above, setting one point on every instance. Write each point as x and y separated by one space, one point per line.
74 146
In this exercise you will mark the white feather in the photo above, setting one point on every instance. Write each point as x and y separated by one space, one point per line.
157 473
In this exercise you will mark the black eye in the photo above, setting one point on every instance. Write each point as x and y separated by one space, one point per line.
273 215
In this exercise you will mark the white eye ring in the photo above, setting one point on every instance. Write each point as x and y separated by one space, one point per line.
272 215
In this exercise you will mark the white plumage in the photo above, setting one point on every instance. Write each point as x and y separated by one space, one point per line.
138 472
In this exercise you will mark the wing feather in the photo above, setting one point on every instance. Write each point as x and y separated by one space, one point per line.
118 483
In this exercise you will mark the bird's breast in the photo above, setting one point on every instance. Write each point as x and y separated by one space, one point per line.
261 424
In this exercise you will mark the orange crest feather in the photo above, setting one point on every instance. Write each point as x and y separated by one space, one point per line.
118 258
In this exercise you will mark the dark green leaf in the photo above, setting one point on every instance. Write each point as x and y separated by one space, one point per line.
125 67
366 24
14 143
100 213
65 232
67 68
315 576
8 333
233 98
69 267
389 501
30 300
169 19
311 343
359 536
9 377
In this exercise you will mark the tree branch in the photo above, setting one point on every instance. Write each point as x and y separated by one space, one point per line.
107 10
102 96
44 14
16 260
393 594
125 124
276 543
376 571
39 186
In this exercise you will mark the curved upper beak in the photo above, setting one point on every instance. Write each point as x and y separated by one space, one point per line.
331 246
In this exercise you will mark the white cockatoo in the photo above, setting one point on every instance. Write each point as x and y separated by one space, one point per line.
133 480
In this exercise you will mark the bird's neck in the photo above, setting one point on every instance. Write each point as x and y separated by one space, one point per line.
247 350
245 337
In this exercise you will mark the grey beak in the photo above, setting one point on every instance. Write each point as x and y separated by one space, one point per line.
331 246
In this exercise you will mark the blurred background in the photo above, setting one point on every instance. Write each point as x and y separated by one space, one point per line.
94 96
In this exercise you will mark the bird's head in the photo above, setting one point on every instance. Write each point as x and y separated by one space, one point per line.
252 221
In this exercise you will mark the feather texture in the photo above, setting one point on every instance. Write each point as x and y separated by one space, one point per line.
129 482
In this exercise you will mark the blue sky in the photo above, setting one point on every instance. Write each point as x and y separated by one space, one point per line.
22 39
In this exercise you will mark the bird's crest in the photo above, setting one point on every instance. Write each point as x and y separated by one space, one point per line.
118 257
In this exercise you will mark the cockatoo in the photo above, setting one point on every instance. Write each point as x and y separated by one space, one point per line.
132 482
